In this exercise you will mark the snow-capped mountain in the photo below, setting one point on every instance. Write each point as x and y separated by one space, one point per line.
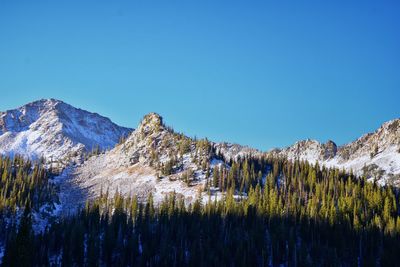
374 155
54 130
137 166
154 158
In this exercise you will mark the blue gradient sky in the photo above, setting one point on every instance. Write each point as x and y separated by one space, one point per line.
251 72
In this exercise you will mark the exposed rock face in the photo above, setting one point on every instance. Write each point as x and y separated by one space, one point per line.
153 158
374 155
234 151
330 150
136 166
55 130
386 137
148 141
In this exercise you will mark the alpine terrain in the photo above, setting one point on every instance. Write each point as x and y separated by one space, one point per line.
152 159
54 130
374 155
78 190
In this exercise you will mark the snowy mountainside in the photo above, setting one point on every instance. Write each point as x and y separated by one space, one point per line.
55 130
234 151
153 159
374 155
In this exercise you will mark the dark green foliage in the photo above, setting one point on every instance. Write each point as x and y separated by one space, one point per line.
96 150
184 145
24 187
216 178
219 233
168 166
20 246
290 213
23 182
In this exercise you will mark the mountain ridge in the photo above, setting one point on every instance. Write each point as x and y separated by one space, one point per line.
55 130
58 131
153 158
375 155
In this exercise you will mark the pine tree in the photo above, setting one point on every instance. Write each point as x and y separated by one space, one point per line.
216 177
24 239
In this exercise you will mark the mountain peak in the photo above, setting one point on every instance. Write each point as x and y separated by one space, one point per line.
48 100
44 102
152 118
151 121
392 125
54 130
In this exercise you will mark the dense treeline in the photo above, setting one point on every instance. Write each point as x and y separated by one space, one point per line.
22 183
304 190
274 212
23 186
218 233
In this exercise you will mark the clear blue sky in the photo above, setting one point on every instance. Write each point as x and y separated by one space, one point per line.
259 73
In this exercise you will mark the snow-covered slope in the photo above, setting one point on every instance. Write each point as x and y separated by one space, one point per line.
137 166
374 155
55 130
153 158
234 151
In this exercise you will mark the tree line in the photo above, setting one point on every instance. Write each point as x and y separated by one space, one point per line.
274 212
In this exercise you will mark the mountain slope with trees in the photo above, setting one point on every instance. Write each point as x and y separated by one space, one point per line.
374 155
153 158
159 198
300 215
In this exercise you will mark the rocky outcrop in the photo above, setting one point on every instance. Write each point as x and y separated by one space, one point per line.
153 158
374 155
